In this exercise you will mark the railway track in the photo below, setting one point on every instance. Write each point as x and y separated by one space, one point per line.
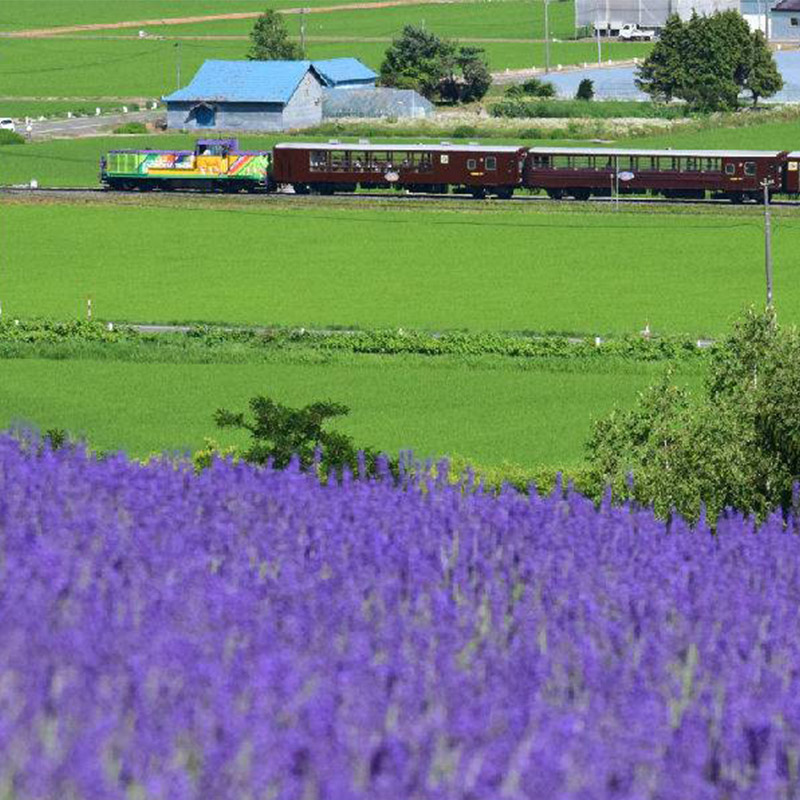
356 197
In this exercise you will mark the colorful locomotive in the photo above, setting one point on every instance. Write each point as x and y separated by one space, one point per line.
213 165
480 170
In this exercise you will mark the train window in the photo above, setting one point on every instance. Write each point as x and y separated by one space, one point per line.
491 162
318 160
750 168
692 165
676 164
340 160
711 165
472 164
730 169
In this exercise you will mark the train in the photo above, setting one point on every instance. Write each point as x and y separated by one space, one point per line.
479 170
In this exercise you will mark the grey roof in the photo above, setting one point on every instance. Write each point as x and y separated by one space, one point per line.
787 5
405 148
244 81
608 151
335 71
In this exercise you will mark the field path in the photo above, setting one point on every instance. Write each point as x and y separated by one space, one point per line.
35 33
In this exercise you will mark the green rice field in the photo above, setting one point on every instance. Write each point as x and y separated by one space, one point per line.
477 266
127 67
435 407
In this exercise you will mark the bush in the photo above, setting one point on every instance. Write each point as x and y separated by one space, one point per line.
736 446
131 127
585 90
280 434
465 132
538 88
10 137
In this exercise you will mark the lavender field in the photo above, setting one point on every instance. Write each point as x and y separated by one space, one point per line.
255 634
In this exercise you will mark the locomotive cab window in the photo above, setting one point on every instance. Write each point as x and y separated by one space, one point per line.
750 168
491 162
472 164
730 169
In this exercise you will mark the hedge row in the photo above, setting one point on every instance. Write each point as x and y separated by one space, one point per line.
382 342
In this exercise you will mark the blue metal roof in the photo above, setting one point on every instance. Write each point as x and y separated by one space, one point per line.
335 71
245 81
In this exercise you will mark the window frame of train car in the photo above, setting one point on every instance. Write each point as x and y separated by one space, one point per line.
432 168
672 173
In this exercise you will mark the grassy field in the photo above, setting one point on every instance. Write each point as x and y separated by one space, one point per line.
776 135
475 266
515 19
127 67
26 14
526 416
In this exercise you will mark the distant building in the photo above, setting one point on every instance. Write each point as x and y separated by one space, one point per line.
608 16
345 73
784 21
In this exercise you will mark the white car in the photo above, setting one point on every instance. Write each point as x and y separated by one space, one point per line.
7 124
633 33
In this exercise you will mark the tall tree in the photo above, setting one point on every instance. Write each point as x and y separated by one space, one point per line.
270 40
708 61
662 74
435 67
764 80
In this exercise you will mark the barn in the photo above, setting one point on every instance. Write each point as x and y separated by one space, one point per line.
254 95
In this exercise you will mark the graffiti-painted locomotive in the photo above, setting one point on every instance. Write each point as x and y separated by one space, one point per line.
213 165
480 170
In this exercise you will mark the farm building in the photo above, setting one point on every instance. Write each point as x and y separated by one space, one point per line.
784 21
608 16
261 95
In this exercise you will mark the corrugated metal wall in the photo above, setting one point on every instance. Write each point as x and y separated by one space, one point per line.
646 13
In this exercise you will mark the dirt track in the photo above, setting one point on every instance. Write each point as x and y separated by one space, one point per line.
35 33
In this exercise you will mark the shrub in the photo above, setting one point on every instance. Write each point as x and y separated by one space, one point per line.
131 127
10 137
538 88
464 132
280 434
736 446
585 90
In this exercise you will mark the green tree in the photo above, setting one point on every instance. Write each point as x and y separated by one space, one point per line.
278 432
270 40
585 90
662 73
764 79
435 67
708 61
737 445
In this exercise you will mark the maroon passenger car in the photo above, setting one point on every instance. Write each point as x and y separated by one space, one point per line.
327 168
580 173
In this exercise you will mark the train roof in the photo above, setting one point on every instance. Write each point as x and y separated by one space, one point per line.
610 151
405 148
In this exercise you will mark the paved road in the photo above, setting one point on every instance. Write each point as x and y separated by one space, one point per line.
83 126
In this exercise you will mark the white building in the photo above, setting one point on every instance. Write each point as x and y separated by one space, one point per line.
608 16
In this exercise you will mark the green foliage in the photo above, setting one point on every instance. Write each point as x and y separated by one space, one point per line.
737 446
10 137
585 90
131 127
437 68
279 433
521 108
535 87
270 40
764 79
707 61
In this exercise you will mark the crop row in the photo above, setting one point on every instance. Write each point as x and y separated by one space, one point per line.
250 633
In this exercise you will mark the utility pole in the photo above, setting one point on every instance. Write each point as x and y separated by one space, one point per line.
597 36
178 64
546 37
303 32
767 240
